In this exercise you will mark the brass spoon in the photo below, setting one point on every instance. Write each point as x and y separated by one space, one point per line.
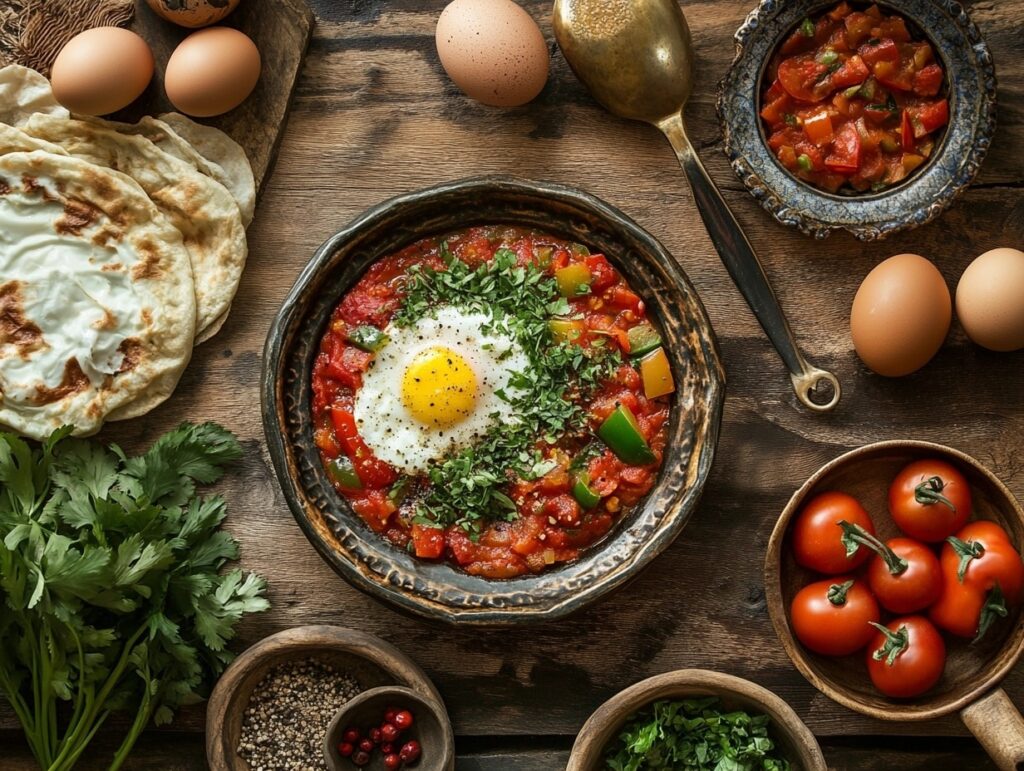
636 58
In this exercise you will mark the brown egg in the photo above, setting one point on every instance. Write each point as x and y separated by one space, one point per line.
493 51
193 13
101 70
901 315
990 300
212 71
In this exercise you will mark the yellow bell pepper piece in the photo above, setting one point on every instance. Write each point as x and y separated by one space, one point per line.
573 280
566 330
656 374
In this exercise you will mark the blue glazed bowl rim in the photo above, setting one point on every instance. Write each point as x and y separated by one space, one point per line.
928 192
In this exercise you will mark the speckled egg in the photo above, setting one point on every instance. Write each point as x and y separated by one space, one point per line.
193 13
493 51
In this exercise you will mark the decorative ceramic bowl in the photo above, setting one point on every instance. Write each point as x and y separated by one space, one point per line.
925 193
436 589
795 741
373 663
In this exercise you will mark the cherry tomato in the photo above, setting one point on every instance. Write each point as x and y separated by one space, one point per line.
345 749
982 574
818 537
388 732
904 575
930 500
833 617
391 760
410 751
906 657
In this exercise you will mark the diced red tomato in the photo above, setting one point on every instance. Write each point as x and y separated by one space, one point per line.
907 138
926 118
775 111
895 29
858 28
428 542
897 75
853 72
801 76
882 51
602 274
928 81
818 127
845 156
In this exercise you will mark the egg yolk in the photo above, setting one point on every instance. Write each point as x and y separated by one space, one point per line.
439 387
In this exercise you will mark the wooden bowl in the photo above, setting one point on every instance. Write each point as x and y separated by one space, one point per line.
438 590
431 728
370 660
971 670
795 740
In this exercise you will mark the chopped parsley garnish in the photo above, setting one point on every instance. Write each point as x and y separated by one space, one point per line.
544 401
694 734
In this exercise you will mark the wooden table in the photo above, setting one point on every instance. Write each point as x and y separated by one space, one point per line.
374 116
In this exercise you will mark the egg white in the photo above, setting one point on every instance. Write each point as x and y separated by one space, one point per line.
382 419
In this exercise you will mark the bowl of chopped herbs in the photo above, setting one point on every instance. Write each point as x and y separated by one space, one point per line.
492 401
695 718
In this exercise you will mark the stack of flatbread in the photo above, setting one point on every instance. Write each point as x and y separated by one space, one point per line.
121 247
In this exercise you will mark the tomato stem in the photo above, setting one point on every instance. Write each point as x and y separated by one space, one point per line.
837 593
895 643
995 606
855 536
929 492
967 551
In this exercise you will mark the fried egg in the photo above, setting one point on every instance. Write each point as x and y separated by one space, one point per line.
437 387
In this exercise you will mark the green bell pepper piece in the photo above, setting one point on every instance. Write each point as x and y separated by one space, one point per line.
368 338
583 493
344 473
622 435
643 338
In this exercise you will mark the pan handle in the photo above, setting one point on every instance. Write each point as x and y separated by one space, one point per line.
998 725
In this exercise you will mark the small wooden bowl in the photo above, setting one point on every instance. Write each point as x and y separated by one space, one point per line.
795 739
971 670
431 728
370 660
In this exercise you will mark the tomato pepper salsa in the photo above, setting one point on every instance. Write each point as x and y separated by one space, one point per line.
854 100
586 477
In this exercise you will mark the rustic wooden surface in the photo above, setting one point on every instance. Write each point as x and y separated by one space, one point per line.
375 116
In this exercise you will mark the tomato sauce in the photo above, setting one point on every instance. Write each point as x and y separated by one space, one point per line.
550 525
854 100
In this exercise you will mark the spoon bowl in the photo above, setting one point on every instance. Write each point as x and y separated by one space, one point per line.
636 58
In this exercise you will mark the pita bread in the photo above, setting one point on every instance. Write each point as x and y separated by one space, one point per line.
200 207
220 149
96 295
24 92
13 140
168 140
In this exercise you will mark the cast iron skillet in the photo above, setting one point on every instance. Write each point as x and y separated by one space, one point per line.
434 589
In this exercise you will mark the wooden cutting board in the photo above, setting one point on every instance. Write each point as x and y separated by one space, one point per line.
281 30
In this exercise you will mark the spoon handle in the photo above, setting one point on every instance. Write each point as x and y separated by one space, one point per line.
746 270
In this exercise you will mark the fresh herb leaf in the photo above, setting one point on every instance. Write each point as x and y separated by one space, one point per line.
112 585
694 734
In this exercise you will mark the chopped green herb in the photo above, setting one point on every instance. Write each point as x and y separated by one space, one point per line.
694 734
111 581
367 337
465 488
807 28
791 119
804 160
829 57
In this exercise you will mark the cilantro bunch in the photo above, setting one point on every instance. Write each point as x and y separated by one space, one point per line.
111 586
545 403
694 735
